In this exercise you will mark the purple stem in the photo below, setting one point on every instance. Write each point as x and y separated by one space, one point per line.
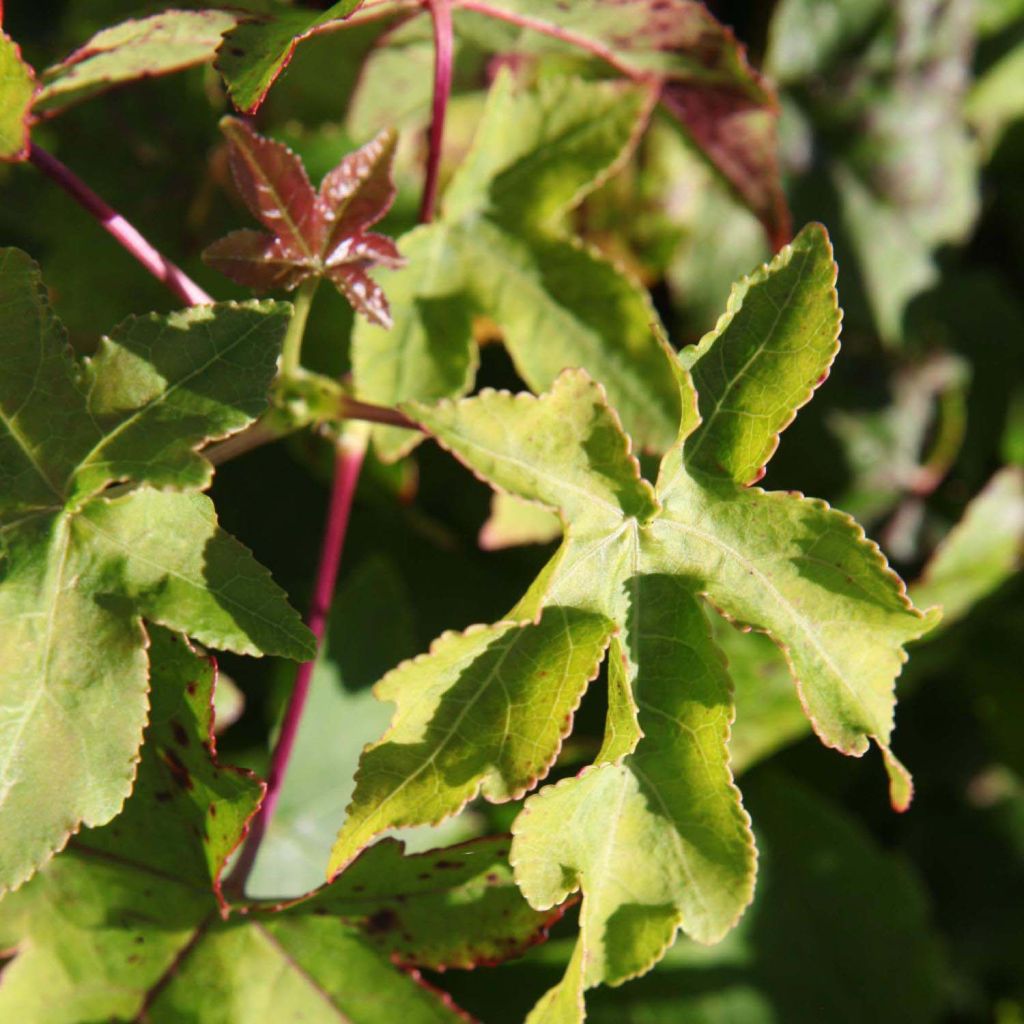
441 13
347 466
159 266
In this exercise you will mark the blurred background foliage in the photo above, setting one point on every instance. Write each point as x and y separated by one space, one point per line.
902 129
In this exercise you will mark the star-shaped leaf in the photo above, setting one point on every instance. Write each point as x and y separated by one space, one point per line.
131 923
654 833
17 86
312 234
500 249
83 563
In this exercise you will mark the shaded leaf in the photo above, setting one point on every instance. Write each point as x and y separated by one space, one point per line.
82 564
254 53
500 249
312 234
17 86
130 921
137 48
876 92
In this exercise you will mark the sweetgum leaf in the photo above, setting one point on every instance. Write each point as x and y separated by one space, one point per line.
130 922
513 522
137 48
981 552
254 53
645 558
499 249
707 84
17 86
312 234
82 564
484 712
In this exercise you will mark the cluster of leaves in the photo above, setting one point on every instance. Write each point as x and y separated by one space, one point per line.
619 147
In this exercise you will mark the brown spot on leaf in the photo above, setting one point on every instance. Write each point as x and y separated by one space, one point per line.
180 735
179 773
382 922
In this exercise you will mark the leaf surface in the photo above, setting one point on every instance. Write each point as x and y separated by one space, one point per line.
17 86
82 565
255 52
131 922
484 712
646 559
137 48
311 234
500 249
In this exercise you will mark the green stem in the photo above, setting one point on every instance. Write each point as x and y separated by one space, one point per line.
291 352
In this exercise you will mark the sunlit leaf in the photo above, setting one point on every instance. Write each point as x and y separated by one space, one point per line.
644 557
500 248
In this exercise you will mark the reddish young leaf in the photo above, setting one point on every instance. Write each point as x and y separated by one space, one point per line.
275 187
312 233
256 260
359 191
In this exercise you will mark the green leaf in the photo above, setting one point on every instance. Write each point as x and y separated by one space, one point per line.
500 249
82 565
513 522
255 52
752 385
17 87
137 48
981 552
815 945
484 712
131 920
699 65
643 558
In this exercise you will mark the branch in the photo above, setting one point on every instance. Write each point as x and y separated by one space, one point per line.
158 265
347 465
441 13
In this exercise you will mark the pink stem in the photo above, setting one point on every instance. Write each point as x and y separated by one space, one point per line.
441 13
347 466
159 266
